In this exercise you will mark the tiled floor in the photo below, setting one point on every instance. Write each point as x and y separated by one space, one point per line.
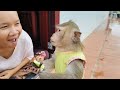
102 50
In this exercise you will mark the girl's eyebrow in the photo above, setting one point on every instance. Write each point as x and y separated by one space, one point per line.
18 21
3 23
7 23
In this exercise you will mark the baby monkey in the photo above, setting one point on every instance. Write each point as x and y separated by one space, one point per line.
68 59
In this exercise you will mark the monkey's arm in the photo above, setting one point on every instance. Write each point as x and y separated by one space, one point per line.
49 64
74 71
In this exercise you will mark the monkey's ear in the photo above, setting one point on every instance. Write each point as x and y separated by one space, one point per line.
76 37
77 34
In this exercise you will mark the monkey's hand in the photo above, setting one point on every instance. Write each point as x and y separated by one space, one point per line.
49 64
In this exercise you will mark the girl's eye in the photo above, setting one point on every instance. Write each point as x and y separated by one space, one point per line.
3 27
17 23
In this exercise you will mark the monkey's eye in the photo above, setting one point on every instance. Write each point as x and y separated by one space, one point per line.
58 30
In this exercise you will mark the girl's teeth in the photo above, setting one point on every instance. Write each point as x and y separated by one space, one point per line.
14 40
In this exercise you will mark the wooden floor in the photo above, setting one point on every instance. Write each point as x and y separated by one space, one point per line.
102 50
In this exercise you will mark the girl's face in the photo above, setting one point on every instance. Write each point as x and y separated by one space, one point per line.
10 29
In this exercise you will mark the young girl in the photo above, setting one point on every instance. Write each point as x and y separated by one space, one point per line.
16 47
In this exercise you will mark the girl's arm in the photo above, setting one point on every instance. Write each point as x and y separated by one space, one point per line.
8 73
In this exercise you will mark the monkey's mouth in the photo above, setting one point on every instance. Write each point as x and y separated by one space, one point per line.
51 41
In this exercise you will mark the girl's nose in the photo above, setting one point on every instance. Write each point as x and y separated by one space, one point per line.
13 32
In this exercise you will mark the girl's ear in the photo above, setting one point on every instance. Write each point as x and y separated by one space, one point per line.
76 37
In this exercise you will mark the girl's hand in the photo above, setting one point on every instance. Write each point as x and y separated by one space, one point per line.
6 74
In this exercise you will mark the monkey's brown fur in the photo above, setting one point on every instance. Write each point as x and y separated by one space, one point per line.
65 39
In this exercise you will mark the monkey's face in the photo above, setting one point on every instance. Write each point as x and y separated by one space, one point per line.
66 35
57 36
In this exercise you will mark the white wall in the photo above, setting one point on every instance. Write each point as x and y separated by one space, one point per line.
86 20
